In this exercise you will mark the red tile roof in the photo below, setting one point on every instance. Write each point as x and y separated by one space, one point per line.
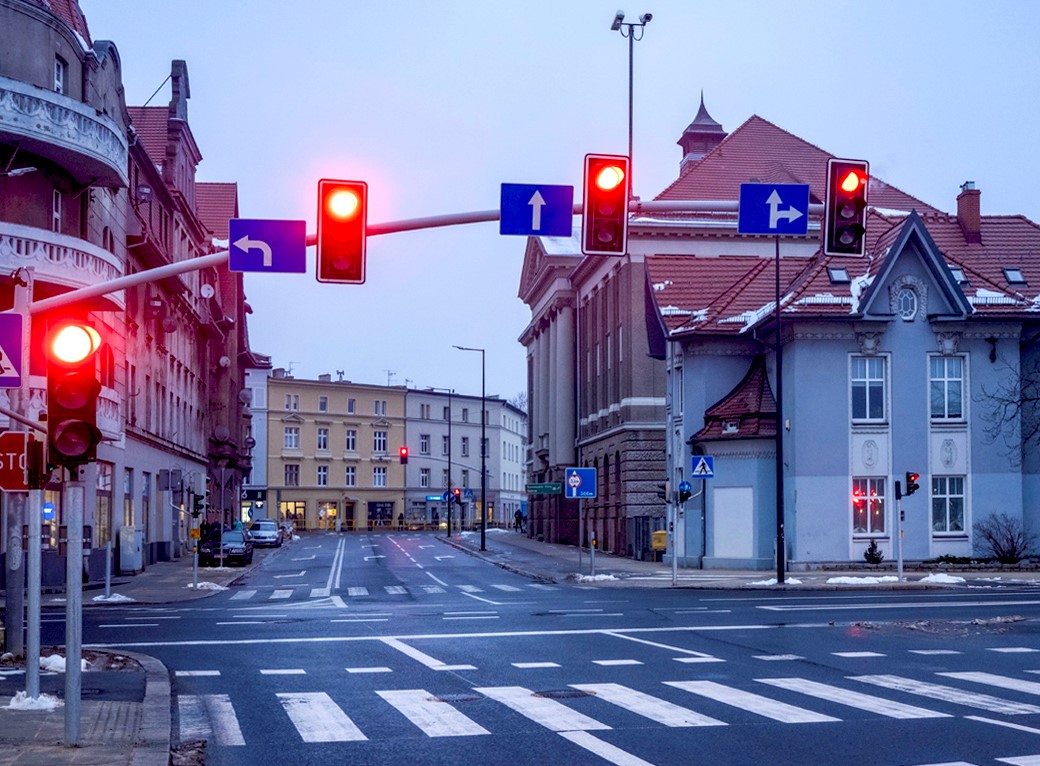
750 404
69 12
149 122
216 203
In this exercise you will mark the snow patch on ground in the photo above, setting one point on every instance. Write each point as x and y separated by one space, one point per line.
773 581
591 578
861 580
207 586
56 663
942 577
114 598
21 701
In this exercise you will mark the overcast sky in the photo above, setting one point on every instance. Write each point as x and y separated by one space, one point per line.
436 104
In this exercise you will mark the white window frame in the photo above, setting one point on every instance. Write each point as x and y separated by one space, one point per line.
866 485
424 478
323 476
323 440
323 404
424 444
56 206
946 381
379 442
60 70
868 380
464 449
351 440
379 476
291 438
350 476
291 474
942 494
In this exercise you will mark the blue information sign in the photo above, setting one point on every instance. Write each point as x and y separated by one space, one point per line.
773 209
267 245
579 483
703 467
533 210
10 350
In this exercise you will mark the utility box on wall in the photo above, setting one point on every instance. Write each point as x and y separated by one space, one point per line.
131 542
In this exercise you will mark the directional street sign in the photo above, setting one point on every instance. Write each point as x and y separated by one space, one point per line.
267 245
544 488
773 209
703 467
12 461
579 483
10 350
533 210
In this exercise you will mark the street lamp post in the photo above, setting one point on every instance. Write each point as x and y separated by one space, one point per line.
483 449
628 29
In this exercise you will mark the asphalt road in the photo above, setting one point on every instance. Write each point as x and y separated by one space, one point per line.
394 648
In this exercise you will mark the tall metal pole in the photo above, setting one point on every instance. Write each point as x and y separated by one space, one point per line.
32 656
631 47
483 455
75 491
779 354
451 495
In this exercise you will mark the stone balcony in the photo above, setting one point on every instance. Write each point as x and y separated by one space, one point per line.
61 262
86 143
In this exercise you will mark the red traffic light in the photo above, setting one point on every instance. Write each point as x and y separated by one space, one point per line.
72 392
71 343
911 482
403 452
604 220
342 231
845 213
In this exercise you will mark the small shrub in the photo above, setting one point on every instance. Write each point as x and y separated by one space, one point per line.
1004 537
873 554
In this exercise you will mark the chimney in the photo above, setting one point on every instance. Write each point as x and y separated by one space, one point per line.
325 378
968 213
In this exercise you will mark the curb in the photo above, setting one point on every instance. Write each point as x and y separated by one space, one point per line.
541 577
152 744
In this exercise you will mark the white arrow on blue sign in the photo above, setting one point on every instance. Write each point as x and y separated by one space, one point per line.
267 245
536 210
773 209
579 483
10 350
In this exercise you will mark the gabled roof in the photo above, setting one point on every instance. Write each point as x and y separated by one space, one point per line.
216 203
750 407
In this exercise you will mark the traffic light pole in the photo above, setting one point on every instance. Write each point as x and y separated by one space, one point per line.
75 492
899 532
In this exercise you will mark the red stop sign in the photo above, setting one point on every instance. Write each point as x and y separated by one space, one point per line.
12 461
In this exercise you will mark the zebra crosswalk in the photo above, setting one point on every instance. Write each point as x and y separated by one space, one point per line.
317 716
361 591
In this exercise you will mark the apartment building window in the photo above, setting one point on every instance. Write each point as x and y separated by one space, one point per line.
292 402
948 504
323 476
465 446
465 414
379 407
868 505
56 211
323 439
379 476
868 388
424 411
351 445
946 387
379 442
445 445
424 477
446 415
445 479
292 437
465 478
103 507
292 474
350 477
128 497
424 444
323 404
351 406
60 67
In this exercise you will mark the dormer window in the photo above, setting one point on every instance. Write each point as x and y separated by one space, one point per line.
958 275
1014 276
730 426
839 275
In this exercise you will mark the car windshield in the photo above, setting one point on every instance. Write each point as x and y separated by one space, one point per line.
261 525
232 537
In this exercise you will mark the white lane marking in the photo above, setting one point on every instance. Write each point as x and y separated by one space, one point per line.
655 709
852 699
244 622
470 589
777 657
436 579
357 590
693 656
441 558
598 614
153 617
306 558
421 657
507 588
534 665
473 617
338 601
1013 649
894 605
475 597
935 652
1024 760
242 595
254 615
196 673
301 573
132 625
853 655
689 660
433 717
615 663
604 750
210 717
318 719
432 588
1008 724
544 711
1015 684
281 593
379 669
541 586
319 593
751 702
363 619
283 672
949 694
395 590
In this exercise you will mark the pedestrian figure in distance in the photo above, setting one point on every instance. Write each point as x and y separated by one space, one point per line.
400 521
518 520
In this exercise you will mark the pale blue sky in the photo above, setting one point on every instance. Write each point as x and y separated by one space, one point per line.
436 104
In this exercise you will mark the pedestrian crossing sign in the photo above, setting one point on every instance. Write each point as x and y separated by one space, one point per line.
703 467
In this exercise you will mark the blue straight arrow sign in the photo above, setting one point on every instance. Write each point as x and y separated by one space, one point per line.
533 210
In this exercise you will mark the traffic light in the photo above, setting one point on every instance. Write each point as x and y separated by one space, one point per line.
72 391
911 483
685 491
342 231
403 452
198 506
604 219
662 491
456 496
845 213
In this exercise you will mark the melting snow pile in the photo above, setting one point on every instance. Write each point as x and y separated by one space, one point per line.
942 578
772 581
208 586
113 598
861 580
56 663
592 578
21 701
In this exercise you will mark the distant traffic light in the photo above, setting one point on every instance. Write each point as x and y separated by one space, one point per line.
685 491
604 219
342 231
456 495
662 491
403 452
845 213
72 392
911 483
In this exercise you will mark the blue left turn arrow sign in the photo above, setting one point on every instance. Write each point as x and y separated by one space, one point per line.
267 245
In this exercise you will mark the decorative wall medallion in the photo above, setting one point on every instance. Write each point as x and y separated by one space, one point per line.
948 452
869 342
870 453
948 342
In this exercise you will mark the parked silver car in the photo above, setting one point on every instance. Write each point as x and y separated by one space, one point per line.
265 532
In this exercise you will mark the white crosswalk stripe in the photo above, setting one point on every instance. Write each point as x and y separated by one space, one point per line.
470 589
507 588
320 592
949 694
1015 684
431 715
553 715
357 590
281 593
318 719
210 717
648 706
433 589
395 590
751 702
857 700
242 595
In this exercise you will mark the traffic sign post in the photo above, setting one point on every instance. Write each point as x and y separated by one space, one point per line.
774 209
533 210
580 483
267 245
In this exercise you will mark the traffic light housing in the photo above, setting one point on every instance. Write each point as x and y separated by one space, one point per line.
604 219
456 496
342 231
845 211
685 491
73 388
198 505
662 491
403 452
911 483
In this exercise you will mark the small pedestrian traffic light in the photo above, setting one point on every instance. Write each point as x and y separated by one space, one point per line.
342 231
403 452
73 388
456 495
845 211
911 483
604 219
685 491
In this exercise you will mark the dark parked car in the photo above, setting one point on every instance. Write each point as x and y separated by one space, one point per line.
237 545
266 532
